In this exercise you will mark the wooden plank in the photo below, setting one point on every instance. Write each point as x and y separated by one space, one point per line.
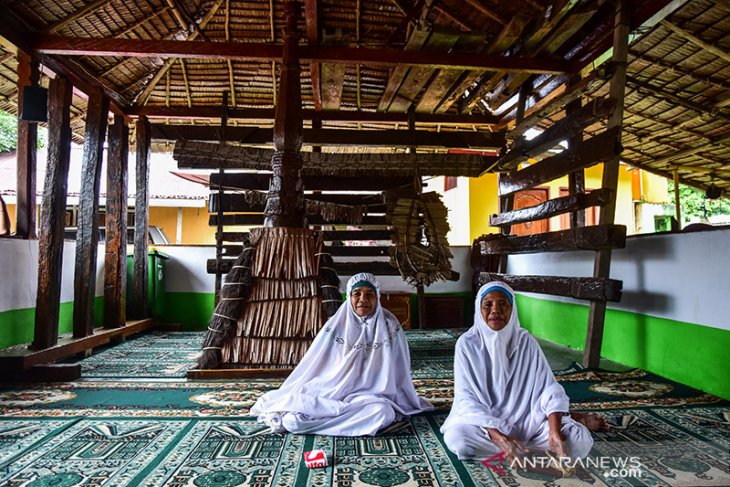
45 373
600 148
25 209
87 234
236 202
53 213
141 220
258 220
321 183
338 137
572 287
264 114
337 250
524 149
115 258
552 208
67 347
596 237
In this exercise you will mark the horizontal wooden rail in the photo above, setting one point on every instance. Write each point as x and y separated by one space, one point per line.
550 208
238 203
336 250
598 237
585 154
258 219
315 183
329 235
573 287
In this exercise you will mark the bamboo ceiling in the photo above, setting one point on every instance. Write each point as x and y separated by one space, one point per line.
172 60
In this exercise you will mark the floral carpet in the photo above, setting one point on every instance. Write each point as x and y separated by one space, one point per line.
167 431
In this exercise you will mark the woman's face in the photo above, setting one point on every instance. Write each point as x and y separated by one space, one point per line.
496 310
363 300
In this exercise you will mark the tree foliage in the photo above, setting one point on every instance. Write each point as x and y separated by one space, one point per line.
9 132
694 203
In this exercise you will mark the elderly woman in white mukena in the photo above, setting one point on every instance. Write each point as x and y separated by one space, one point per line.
506 398
354 380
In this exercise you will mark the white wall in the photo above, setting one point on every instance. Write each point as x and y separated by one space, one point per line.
681 276
19 270
186 271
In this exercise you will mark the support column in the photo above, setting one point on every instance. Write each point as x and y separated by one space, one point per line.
285 201
87 236
53 210
602 262
115 256
576 179
25 209
141 218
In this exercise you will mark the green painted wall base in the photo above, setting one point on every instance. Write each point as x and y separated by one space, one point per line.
191 310
16 326
691 354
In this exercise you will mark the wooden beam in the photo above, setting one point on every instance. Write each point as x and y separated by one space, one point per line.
338 137
602 260
95 47
589 152
20 358
115 258
141 219
552 208
257 219
572 287
25 209
672 158
87 235
53 212
201 155
322 183
524 149
236 202
214 113
725 56
596 237
329 235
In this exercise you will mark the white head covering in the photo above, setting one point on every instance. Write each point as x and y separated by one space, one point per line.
353 361
501 378
500 344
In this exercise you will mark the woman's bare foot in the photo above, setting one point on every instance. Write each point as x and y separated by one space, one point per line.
594 422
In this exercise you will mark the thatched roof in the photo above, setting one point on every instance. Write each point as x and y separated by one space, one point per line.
457 63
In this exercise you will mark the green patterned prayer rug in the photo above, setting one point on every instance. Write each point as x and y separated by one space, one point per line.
646 447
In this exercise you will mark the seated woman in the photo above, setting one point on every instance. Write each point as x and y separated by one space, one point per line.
506 398
354 380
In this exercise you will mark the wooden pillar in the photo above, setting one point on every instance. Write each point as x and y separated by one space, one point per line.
53 210
576 179
417 189
25 209
602 262
115 257
285 201
677 200
87 236
141 218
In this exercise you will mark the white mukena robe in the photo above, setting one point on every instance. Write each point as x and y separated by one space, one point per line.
354 380
502 380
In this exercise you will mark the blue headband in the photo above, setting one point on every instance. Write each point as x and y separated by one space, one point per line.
366 284
497 288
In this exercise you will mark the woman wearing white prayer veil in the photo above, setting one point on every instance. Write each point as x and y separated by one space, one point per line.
354 380
506 398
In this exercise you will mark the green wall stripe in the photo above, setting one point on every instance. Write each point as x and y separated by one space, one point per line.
691 354
191 310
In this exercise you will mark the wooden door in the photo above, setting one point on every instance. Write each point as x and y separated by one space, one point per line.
525 199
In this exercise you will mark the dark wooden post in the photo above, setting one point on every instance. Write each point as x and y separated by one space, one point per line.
576 179
602 262
115 258
28 74
285 201
87 236
53 210
417 188
141 217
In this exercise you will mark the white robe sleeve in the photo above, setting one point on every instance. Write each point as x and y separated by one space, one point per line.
553 398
